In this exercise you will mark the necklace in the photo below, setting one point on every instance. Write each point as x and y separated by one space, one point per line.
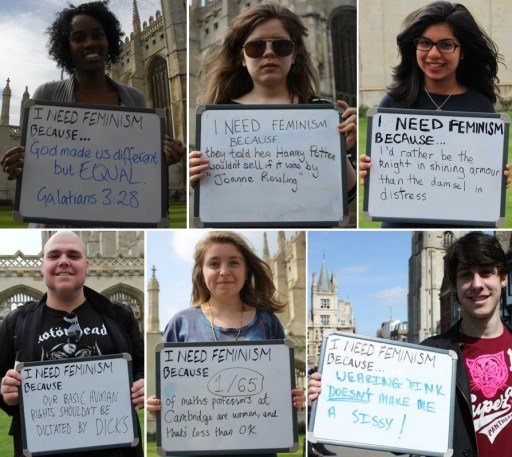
438 107
212 322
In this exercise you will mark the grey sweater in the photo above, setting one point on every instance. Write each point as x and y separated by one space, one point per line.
64 92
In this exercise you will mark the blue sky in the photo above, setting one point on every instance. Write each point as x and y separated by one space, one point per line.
171 252
371 269
23 49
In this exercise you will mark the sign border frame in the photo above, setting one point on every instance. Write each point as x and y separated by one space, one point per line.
311 424
136 438
344 219
286 342
164 198
444 222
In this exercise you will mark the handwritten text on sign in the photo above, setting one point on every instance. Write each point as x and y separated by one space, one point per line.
225 397
258 155
436 167
379 393
92 164
77 404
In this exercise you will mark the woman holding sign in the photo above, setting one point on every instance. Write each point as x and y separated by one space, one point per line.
263 60
448 63
83 41
233 299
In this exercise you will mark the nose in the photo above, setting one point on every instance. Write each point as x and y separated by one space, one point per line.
268 48
434 51
476 283
63 260
224 269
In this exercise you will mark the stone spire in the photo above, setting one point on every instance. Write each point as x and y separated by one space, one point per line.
153 296
136 18
6 104
323 281
266 252
26 96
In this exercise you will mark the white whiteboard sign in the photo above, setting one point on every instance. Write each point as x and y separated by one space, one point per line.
439 167
219 398
87 165
282 165
78 404
384 395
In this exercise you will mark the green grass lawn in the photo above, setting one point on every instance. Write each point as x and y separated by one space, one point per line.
151 451
177 217
362 148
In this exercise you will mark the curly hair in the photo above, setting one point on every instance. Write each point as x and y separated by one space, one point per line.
479 68
59 32
259 289
223 74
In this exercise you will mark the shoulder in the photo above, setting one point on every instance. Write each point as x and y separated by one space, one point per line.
480 102
388 102
130 96
49 91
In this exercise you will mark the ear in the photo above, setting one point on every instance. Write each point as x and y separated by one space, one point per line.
504 281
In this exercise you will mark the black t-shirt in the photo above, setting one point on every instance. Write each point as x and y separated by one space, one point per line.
65 337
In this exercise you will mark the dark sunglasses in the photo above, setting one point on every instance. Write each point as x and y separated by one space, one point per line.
74 332
257 48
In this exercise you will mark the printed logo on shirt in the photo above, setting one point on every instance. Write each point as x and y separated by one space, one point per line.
489 374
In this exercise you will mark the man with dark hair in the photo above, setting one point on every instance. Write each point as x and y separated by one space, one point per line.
70 321
477 268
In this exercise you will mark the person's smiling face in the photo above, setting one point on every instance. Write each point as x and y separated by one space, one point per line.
224 270
439 67
269 69
479 291
88 43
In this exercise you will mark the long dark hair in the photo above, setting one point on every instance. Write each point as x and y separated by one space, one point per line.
478 69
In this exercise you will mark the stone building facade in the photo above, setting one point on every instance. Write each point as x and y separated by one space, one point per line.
116 271
380 21
332 26
327 312
154 60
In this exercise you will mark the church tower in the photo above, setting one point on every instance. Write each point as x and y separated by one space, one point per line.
426 272
6 104
153 337
327 312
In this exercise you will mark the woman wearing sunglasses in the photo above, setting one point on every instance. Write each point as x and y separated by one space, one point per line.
263 60
448 63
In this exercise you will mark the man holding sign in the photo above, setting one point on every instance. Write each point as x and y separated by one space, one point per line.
477 269
71 321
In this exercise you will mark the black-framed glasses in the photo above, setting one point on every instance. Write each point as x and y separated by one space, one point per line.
443 46
257 48
74 332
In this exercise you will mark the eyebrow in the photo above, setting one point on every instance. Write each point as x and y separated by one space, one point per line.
67 251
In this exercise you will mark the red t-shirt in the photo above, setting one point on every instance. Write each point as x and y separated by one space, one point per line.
489 367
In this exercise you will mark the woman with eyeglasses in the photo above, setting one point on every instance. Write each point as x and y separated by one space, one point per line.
263 60
448 63
233 299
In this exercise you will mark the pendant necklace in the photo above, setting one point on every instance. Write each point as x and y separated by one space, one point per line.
438 107
212 322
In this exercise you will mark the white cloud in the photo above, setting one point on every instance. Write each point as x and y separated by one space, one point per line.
393 296
354 269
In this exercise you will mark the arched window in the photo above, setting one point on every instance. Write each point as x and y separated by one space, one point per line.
128 295
16 296
159 89
344 44
447 239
